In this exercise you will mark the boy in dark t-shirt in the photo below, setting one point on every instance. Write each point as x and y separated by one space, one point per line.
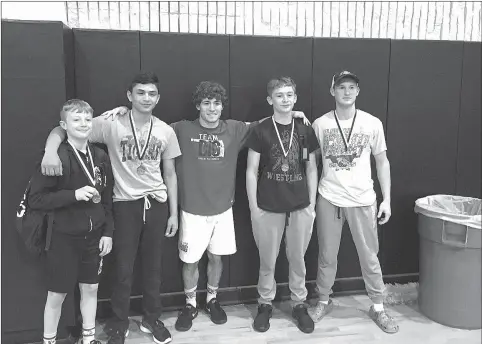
282 196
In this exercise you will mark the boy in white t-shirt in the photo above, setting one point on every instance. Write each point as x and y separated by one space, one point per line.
347 137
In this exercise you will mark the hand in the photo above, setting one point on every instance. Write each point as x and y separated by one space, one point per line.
384 212
85 193
120 111
301 114
105 246
51 164
172 226
255 211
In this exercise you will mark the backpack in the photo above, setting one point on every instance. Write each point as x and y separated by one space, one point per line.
35 226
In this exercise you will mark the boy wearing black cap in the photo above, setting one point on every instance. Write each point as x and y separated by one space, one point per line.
347 137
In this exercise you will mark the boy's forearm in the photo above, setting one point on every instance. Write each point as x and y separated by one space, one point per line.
312 178
383 173
171 184
251 188
56 136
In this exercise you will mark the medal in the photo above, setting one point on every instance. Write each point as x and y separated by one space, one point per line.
96 198
285 166
346 141
141 170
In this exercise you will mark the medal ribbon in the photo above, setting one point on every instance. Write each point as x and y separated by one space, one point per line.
285 152
81 162
345 140
140 154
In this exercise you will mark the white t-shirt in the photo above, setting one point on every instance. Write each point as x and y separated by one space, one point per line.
129 184
346 180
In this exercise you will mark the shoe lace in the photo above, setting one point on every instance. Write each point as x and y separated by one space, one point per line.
187 310
215 304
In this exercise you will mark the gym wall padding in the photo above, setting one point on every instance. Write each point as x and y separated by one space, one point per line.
423 116
369 59
33 90
468 155
105 62
253 62
181 62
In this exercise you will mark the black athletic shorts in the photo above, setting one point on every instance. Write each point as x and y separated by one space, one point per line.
73 259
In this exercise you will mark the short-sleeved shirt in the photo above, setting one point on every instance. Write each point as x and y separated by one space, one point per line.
206 170
116 133
282 185
346 180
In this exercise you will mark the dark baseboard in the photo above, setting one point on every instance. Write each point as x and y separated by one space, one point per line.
226 296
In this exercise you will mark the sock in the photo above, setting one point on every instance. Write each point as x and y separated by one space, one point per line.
324 302
212 291
378 307
50 338
88 333
191 296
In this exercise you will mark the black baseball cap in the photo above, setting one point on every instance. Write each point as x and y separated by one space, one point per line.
338 77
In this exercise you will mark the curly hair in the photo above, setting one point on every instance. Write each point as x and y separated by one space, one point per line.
283 81
209 90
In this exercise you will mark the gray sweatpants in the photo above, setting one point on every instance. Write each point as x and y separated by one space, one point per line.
363 227
268 231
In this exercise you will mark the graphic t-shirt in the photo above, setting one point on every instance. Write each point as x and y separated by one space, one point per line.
206 170
132 183
346 179
282 185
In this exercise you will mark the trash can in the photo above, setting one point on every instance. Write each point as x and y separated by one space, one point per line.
450 260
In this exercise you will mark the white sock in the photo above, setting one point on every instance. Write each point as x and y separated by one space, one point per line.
191 296
50 338
324 302
212 292
88 333
378 307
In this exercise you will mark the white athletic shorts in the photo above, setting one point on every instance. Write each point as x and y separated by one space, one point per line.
199 233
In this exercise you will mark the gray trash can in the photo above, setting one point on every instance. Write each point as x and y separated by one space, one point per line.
450 260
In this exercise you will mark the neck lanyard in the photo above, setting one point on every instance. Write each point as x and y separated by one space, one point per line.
81 162
140 152
346 141
285 152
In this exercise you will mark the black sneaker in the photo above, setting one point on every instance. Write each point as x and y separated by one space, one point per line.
305 323
160 334
185 318
216 313
261 322
117 336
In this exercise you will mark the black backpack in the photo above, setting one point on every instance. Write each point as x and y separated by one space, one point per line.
35 226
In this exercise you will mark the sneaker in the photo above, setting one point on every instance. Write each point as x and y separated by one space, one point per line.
261 322
159 332
93 341
217 314
305 323
383 320
117 336
185 317
320 310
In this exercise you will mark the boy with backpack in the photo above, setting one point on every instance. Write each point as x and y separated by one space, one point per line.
81 203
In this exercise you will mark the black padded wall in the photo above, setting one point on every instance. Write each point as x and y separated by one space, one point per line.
253 61
468 153
423 115
105 63
181 62
33 91
369 59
